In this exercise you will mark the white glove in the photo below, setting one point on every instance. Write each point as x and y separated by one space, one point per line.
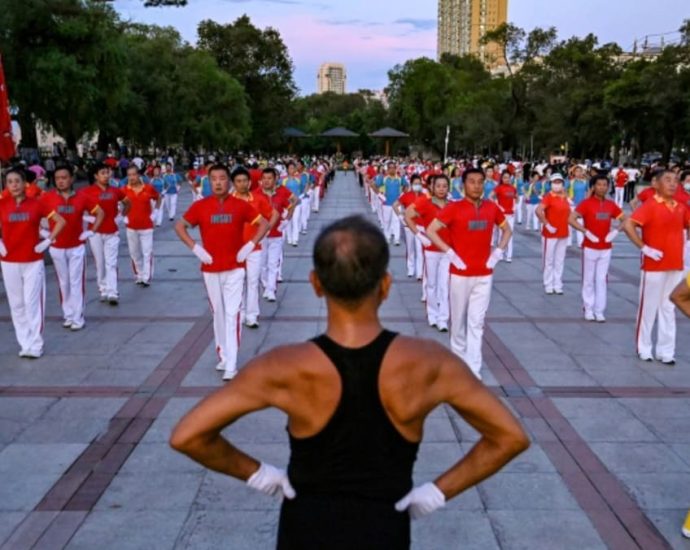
3 249
282 226
496 256
86 235
382 197
245 251
284 215
611 236
153 215
43 233
125 220
41 247
422 239
550 228
203 256
592 237
652 253
454 259
271 481
88 218
421 501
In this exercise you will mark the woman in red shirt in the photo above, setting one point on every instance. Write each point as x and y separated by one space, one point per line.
553 212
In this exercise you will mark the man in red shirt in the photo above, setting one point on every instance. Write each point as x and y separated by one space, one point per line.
283 202
506 197
21 260
418 217
553 213
414 252
105 241
463 232
139 223
597 213
241 181
223 252
664 224
68 252
620 183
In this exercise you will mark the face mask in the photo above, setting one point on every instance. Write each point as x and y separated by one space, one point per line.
557 187
687 186
416 188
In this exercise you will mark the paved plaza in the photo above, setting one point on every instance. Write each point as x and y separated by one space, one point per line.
85 464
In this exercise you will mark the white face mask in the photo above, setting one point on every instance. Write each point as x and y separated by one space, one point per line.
687 186
557 187
416 188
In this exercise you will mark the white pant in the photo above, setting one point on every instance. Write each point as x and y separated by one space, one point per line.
391 223
655 289
469 302
620 194
437 269
316 198
519 208
304 212
158 215
553 263
25 285
70 268
532 220
415 255
140 243
510 218
595 270
250 304
104 248
270 263
225 291
292 230
170 204
687 256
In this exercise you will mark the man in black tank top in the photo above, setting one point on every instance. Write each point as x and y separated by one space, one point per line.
356 399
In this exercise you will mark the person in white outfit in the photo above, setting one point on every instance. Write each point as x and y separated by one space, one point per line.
21 261
413 247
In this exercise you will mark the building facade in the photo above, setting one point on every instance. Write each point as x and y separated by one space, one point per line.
462 23
332 77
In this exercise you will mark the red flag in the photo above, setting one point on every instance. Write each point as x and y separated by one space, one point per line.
7 150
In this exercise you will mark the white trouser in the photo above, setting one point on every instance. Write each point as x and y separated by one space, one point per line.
270 263
510 218
170 205
469 301
140 243
595 270
437 269
655 289
687 256
553 262
532 220
250 304
316 198
620 194
158 215
70 268
225 291
304 211
391 223
292 230
25 285
414 254
104 248
519 208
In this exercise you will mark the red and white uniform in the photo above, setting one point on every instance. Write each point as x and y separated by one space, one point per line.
140 230
106 241
664 227
597 215
23 270
272 256
221 225
69 253
470 231
683 197
620 183
506 197
557 212
414 253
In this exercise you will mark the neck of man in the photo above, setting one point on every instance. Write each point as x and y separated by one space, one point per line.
353 325
65 192
20 198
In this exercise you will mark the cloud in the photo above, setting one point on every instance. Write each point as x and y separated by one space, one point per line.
418 24
350 23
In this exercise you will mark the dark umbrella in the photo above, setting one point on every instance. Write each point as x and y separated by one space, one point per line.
388 134
339 133
292 134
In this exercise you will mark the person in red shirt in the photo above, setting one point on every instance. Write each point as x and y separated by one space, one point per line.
255 175
413 247
139 222
664 225
21 260
620 183
597 213
463 232
241 183
105 241
68 252
506 197
418 216
223 251
554 212
283 202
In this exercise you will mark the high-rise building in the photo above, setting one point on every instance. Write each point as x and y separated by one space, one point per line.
462 23
331 78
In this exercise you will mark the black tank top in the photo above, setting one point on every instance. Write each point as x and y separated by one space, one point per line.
359 453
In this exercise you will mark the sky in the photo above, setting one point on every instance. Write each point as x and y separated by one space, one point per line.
371 36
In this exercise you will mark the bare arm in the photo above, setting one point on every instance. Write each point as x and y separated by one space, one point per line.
100 216
630 229
540 212
126 204
573 221
181 229
681 297
263 228
506 234
432 233
410 215
59 222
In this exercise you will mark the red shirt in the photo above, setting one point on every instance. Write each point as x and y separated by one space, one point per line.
108 200
663 227
621 178
221 224
682 196
471 228
262 205
428 211
20 224
371 172
72 209
597 215
280 200
255 175
140 210
557 212
408 198
31 191
646 194
505 196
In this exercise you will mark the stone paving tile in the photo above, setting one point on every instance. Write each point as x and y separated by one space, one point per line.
210 529
639 458
659 490
454 529
521 491
8 522
668 521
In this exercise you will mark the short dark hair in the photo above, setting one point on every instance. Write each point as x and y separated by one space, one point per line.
470 171
17 170
67 167
441 177
595 178
271 170
350 258
415 177
239 171
218 167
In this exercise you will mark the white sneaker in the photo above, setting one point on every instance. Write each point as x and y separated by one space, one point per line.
271 297
442 327
32 354
220 367
599 318
76 326
229 375
67 323
589 316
